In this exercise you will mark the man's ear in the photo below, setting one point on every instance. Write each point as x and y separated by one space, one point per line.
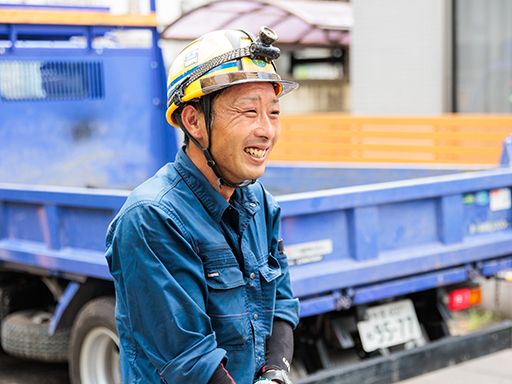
193 121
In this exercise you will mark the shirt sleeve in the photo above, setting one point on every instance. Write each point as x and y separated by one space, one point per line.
287 307
161 283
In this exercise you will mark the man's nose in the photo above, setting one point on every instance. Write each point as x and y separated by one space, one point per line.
267 127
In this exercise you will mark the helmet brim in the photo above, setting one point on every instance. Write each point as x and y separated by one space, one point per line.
216 83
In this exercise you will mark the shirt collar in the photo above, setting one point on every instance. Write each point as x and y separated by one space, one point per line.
244 198
212 200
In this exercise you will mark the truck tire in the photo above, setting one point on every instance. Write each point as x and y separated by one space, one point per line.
94 348
25 335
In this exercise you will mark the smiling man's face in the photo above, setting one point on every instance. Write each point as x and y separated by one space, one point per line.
245 128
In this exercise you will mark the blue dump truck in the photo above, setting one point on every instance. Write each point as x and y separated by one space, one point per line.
380 257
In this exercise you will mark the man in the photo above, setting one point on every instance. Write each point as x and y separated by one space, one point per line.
202 285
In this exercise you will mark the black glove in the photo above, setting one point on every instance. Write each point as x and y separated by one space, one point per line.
221 376
280 346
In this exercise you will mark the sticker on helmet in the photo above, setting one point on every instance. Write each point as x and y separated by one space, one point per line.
191 58
259 63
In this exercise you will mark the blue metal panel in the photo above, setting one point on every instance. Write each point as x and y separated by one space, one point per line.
322 304
74 197
82 228
67 7
323 277
60 231
58 263
115 140
52 221
34 32
413 189
364 295
407 224
21 219
370 293
325 225
450 219
49 32
491 268
364 236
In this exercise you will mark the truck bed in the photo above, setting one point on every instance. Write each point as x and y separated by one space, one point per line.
352 235
366 242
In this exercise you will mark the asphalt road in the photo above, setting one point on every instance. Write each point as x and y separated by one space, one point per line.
16 371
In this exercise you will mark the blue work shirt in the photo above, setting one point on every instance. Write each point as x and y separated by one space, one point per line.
198 280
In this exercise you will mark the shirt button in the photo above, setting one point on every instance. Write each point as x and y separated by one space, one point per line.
252 275
252 205
255 316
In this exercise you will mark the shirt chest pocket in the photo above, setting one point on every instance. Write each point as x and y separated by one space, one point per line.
226 299
269 270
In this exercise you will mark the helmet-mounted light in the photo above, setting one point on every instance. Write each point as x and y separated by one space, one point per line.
262 48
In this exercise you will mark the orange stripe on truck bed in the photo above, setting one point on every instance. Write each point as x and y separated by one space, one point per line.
65 17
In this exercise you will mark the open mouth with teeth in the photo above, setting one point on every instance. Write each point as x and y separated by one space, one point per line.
256 152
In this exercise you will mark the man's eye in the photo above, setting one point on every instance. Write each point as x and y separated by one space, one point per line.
251 111
275 113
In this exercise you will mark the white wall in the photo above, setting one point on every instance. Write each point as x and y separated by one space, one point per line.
400 57
317 96
497 296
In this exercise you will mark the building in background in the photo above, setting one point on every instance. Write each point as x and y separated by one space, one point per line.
428 57
482 56
403 57
314 40
406 57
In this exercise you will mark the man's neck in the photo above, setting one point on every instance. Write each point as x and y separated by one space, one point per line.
197 157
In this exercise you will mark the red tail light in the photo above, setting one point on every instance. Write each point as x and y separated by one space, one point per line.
463 298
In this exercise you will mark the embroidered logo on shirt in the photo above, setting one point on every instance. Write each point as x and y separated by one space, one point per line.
213 274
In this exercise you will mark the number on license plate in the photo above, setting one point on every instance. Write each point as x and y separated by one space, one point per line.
388 325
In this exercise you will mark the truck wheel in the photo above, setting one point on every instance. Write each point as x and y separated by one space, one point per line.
25 335
94 357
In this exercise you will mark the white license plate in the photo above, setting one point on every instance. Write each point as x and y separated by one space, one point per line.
389 324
